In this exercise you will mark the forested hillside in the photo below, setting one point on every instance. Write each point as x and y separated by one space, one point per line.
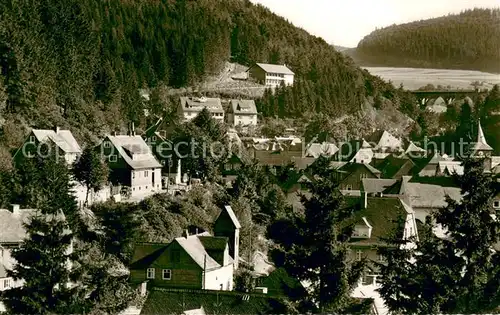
80 64
469 40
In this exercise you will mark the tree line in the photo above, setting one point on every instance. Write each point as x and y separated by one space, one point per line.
82 63
468 40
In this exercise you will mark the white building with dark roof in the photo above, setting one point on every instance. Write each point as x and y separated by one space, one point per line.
242 113
190 107
271 75
132 164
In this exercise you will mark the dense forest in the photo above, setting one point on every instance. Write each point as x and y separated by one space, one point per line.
80 64
469 40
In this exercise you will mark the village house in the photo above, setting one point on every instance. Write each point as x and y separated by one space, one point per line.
164 151
231 168
395 167
427 198
131 164
316 150
198 261
271 75
382 141
190 107
12 235
374 219
355 151
351 175
61 139
242 113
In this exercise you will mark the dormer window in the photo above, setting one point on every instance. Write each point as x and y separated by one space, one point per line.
363 229
496 204
32 139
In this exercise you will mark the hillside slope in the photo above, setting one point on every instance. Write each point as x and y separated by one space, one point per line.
80 64
469 40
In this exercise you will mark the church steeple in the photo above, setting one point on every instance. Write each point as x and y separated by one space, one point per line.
481 145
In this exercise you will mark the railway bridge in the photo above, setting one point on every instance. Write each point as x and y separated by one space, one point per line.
448 95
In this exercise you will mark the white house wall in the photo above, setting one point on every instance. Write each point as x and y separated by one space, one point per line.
222 276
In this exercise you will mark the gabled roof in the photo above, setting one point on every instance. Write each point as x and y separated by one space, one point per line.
243 107
146 253
270 68
382 214
351 167
315 150
12 225
128 146
376 185
451 167
197 251
428 195
63 139
395 167
348 150
218 243
195 246
196 104
384 139
412 147
232 216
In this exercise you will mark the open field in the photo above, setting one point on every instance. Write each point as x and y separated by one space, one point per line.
414 78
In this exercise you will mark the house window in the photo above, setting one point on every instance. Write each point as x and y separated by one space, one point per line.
6 283
133 174
113 158
154 138
358 255
166 274
146 173
150 274
348 187
32 139
107 144
228 167
496 204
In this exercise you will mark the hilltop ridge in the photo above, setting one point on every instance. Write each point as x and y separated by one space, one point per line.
469 40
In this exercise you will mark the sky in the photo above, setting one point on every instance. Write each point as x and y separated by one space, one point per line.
346 22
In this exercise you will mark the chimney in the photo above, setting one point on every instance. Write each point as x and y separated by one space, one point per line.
15 209
365 199
186 233
57 129
133 129
114 133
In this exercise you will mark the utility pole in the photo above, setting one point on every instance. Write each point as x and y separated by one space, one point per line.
168 177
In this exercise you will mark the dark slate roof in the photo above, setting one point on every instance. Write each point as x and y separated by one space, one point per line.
217 243
382 214
352 167
376 185
395 166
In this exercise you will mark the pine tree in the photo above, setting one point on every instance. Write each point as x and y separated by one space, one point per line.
45 258
459 273
90 171
314 248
